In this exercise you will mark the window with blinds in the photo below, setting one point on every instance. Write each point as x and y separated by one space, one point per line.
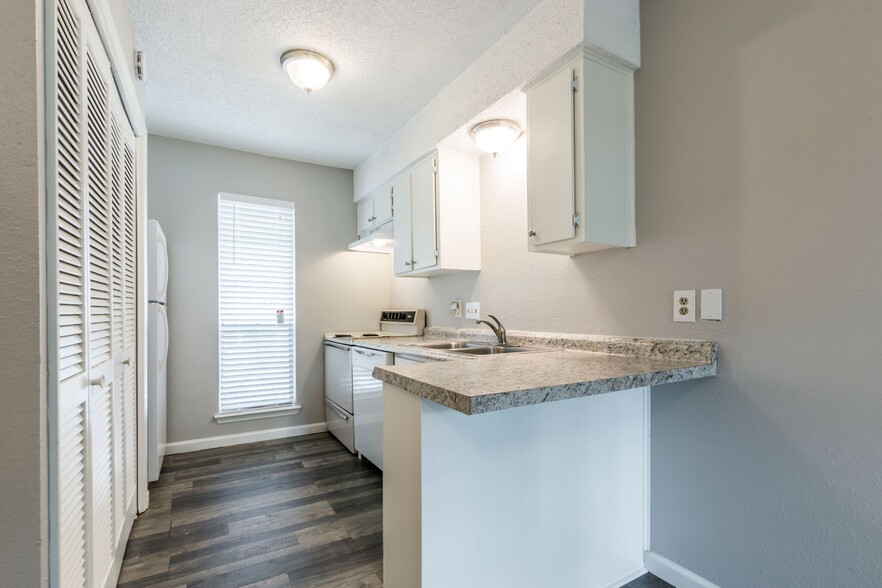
256 304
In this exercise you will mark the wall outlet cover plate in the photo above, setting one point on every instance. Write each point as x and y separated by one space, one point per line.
684 306
473 310
456 309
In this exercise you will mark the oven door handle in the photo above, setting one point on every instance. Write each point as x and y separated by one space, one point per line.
340 412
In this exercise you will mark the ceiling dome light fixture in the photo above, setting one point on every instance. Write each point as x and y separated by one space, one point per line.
308 69
495 136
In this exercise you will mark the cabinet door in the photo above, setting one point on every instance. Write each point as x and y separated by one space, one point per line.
423 201
383 205
403 255
551 177
365 214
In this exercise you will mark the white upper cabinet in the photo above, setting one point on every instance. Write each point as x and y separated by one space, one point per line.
423 204
402 257
383 200
580 163
376 209
438 220
365 215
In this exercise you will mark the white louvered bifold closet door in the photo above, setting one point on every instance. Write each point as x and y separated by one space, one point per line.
70 397
92 291
100 338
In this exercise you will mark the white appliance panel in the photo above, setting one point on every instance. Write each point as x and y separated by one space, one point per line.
367 396
157 262
338 375
157 347
339 423
157 359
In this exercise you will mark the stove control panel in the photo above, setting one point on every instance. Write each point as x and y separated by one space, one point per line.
403 322
398 316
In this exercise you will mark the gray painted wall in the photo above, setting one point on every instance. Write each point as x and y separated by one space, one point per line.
336 289
758 171
23 488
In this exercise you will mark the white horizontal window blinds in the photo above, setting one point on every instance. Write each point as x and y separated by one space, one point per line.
256 303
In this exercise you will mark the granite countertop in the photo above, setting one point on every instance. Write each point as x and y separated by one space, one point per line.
570 366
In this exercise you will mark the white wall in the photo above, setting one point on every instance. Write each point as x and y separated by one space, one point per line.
23 482
336 289
758 150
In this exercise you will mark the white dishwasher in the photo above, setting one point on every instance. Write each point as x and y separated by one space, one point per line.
367 399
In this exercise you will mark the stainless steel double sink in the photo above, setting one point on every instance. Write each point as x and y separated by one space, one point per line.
478 348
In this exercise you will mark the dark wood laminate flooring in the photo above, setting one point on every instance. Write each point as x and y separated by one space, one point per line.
300 512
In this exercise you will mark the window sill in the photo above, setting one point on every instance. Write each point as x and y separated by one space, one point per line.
235 417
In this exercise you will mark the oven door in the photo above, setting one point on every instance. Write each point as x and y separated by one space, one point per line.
338 375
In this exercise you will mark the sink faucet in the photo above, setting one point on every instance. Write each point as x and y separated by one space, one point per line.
498 329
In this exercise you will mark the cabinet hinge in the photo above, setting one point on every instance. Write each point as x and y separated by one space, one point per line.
577 219
436 254
575 85
434 166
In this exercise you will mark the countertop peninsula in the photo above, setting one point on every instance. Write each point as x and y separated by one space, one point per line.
569 366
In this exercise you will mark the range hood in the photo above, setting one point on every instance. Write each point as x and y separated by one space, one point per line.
379 241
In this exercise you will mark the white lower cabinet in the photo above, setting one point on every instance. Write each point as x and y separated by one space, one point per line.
438 216
580 162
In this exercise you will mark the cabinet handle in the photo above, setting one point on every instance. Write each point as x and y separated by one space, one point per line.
127 361
414 262
407 263
531 234
97 382
360 352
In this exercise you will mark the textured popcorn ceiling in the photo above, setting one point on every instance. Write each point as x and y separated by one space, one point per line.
213 73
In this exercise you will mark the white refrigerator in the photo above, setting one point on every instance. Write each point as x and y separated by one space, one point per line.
157 346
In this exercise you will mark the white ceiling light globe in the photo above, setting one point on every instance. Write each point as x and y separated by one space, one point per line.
495 136
308 69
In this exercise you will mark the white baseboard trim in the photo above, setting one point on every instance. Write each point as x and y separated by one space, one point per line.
674 573
628 578
240 438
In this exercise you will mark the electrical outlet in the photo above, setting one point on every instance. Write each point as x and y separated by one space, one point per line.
712 305
473 310
456 309
684 306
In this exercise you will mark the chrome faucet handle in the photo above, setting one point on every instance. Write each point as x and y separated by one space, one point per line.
499 330
503 335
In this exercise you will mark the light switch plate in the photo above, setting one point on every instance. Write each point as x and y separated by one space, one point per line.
712 305
684 306
473 310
